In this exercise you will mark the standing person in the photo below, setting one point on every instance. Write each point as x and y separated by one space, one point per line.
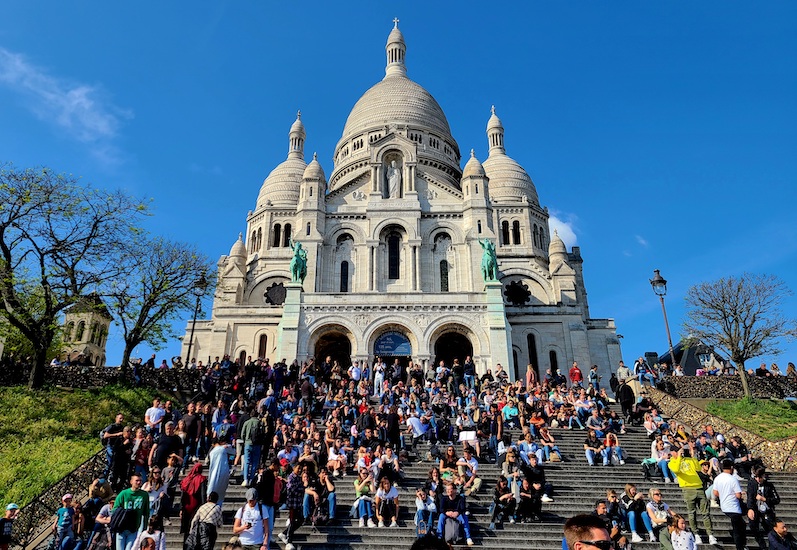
193 488
251 523
729 493
168 445
7 525
121 457
64 525
686 469
109 435
294 501
469 368
576 377
761 501
253 435
219 458
266 483
132 498
207 522
153 418
193 430
594 378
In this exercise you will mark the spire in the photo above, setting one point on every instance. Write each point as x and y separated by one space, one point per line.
396 50
296 138
495 133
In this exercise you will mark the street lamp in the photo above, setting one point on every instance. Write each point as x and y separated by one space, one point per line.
200 286
659 285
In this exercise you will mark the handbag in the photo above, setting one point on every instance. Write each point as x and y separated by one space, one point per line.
122 520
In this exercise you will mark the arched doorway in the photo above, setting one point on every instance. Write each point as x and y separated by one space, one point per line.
334 344
393 345
452 345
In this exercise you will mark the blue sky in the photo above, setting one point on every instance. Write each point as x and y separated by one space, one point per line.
662 135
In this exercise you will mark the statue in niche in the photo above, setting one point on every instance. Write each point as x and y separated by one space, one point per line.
298 264
393 175
489 261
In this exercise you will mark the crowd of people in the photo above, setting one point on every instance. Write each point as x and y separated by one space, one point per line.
295 432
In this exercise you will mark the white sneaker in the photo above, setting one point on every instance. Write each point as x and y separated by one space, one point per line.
381 523
336 473
512 520
636 538
652 537
546 498
715 504
289 546
287 522
713 540
244 484
393 523
362 522
470 542
667 480
371 523
622 462
283 538
698 540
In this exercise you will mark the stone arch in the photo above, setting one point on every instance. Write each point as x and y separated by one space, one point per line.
354 230
457 236
333 339
543 285
460 325
256 290
379 328
384 225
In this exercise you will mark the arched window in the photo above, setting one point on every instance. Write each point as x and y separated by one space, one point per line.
259 239
311 191
504 232
344 276
479 226
308 228
542 238
393 255
81 328
554 362
102 338
93 333
516 232
70 328
536 236
443 276
261 346
531 341
253 243
286 238
275 242
476 188
242 358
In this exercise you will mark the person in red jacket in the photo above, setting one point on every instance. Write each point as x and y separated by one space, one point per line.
576 378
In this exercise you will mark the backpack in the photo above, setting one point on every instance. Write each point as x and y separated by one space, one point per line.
434 452
451 531
320 515
122 520
259 433
651 470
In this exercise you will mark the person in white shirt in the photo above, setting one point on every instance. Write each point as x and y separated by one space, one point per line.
355 372
729 493
425 508
153 418
251 524
386 503
468 466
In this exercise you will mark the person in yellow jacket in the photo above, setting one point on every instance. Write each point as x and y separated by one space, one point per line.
686 467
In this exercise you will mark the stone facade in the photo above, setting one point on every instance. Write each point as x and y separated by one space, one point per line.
394 242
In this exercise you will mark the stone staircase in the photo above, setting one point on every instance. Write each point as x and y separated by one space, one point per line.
576 487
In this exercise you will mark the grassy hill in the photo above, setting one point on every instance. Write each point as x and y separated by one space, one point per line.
47 433
772 420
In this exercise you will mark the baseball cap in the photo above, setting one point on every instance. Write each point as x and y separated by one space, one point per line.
251 494
12 506
67 496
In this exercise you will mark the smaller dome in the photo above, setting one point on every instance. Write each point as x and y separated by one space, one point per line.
314 171
473 168
238 249
557 246
395 36
297 127
281 187
494 122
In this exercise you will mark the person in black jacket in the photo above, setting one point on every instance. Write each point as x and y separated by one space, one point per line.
780 538
762 497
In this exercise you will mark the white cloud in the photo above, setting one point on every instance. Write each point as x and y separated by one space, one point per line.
82 110
566 229
641 240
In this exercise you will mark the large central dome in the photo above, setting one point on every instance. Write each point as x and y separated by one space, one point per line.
396 100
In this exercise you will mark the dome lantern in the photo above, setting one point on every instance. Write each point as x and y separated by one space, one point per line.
495 133
396 51
296 138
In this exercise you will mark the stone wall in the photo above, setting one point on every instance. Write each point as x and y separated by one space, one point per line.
183 380
777 455
729 387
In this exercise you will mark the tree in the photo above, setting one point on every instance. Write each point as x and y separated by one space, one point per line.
59 240
741 316
159 284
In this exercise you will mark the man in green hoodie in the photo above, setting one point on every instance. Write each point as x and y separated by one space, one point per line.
137 500
686 467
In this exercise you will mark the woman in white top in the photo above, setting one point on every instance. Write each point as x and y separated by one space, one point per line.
153 531
387 503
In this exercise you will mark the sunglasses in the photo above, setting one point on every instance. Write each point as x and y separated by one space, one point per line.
602 544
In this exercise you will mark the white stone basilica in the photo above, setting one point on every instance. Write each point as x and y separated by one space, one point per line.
394 246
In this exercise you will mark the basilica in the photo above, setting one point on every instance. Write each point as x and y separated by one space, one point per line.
385 257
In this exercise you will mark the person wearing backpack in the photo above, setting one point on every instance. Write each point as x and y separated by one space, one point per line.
251 523
269 488
253 434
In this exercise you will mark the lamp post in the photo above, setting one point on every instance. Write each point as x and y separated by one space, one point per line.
200 286
659 285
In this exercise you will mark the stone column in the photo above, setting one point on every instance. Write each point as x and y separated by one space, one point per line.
500 333
288 328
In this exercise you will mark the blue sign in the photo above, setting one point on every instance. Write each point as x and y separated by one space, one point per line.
391 344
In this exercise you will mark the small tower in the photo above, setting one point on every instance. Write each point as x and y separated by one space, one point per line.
495 133
396 51
296 138
86 325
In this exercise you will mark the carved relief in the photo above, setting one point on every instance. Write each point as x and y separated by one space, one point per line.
422 320
359 196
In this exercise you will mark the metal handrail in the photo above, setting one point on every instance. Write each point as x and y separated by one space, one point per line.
37 516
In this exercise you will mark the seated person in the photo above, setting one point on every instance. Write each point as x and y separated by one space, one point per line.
529 507
452 505
593 448
504 503
386 503
536 475
425 508
319 491
468 467
613 526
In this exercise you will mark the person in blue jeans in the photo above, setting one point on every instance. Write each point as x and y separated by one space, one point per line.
452 505
634 504
316 491
425 508
363 489
63 528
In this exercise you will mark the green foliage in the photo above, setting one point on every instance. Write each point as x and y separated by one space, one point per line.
772 420
45 434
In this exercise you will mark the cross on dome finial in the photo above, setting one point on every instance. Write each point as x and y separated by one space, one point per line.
240 236
472 154
555 233
315 156
395 22
299 115
492 110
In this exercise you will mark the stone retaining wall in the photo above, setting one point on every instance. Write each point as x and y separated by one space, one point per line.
777 455
183 380
729 387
